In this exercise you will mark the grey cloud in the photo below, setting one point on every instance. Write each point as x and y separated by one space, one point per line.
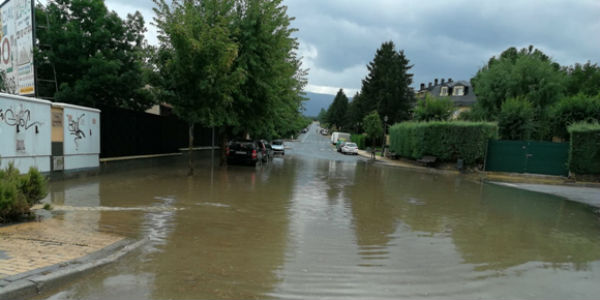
441 38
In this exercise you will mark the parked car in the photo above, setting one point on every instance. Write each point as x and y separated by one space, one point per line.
246 152
350 148
278 147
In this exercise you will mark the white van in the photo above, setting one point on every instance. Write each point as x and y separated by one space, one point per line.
339 135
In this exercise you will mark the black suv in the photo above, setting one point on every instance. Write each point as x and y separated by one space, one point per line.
245 151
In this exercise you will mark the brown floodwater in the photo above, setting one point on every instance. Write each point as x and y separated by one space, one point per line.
301 227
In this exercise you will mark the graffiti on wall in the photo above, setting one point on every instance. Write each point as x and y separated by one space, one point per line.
75 129
20 119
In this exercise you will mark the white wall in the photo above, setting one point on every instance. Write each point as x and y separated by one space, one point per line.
82 136
27 147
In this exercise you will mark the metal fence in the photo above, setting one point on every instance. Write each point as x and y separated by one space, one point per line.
528 157
124 132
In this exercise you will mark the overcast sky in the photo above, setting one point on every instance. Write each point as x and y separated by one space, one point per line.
441 38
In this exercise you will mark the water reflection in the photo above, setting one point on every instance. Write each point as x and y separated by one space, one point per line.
307 228
231 240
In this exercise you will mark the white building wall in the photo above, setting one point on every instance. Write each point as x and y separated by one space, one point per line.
25 132
82 136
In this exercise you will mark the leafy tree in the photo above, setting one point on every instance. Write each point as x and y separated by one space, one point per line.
373 126
527 73
574 109
354 116
583 79
198 54
269 98
95 55
336 114
515 120
476 114
430 109
322 117
387 86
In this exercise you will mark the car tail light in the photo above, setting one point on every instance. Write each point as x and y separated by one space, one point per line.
227 151
253 154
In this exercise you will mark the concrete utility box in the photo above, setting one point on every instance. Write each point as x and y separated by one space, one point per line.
75 140
25 132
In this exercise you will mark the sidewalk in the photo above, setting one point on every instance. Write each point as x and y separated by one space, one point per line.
583 192
34 255
403 164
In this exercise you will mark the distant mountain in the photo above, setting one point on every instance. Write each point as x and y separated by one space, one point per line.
317 101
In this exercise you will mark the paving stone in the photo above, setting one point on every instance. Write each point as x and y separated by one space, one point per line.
35 245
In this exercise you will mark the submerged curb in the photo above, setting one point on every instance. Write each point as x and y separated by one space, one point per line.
39 280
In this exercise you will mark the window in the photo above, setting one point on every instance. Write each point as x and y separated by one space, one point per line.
444 91
459 91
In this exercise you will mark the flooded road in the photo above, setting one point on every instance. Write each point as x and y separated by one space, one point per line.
318 224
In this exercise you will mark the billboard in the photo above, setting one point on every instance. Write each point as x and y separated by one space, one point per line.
16 46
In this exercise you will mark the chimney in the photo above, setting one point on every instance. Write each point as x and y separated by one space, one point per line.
443 80
449 80
422 87
430 84
435 81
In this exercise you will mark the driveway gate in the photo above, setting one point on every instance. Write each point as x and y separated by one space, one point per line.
528 157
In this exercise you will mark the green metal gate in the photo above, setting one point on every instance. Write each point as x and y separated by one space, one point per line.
528 157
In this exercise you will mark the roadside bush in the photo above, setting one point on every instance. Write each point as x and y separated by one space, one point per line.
359 139
574 109
33 186
430 109
447 141
584 153
19 192
373 126
515 120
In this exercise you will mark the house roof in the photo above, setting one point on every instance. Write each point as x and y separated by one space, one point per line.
468 99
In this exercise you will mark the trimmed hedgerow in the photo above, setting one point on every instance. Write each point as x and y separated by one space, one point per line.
584 153
19 192
448 141
359 139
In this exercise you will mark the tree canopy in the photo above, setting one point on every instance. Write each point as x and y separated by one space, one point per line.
584 79
387 86
96 55
269 97
198 67
336 114
433 109
232 64
373 126
527 73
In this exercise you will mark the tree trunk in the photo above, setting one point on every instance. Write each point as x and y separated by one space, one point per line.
223 161
191 146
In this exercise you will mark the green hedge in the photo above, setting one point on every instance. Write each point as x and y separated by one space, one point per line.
359 139
19 192
584 154
447 141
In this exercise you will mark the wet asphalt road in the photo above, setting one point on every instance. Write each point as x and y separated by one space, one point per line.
314 145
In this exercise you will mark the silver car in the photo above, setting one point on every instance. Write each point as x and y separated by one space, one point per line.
350 148
278 148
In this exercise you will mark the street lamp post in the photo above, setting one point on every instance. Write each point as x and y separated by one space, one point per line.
385 119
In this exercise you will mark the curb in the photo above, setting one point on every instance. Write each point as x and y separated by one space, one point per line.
36 281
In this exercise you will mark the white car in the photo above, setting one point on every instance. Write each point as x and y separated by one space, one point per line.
350 148
278 147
